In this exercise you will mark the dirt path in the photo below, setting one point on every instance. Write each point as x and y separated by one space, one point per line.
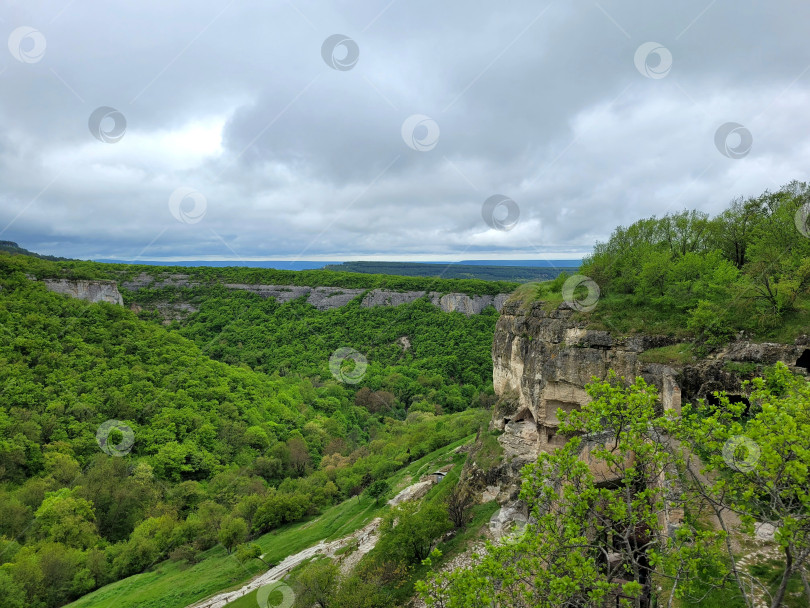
364 540
763 553
366 537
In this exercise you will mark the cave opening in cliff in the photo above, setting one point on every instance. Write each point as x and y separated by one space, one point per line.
804 360
525 415
714 401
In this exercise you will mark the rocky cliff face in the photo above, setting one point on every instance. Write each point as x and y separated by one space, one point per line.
325 298
92 291
543 360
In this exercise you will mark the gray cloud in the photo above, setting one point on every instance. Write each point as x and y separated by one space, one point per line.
538 102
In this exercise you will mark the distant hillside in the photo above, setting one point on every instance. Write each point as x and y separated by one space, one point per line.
12 247
121 273
518 274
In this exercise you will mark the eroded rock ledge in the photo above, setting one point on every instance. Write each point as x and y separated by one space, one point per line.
325 298
543 360
91 291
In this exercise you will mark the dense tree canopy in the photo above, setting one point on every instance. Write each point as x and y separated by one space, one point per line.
601 504
746 269
123 442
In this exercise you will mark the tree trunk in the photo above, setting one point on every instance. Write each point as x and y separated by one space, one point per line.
806 584
780 594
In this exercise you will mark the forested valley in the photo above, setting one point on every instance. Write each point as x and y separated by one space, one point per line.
237 424
153 460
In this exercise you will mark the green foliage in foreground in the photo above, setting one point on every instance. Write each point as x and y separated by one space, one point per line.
598 503
762 464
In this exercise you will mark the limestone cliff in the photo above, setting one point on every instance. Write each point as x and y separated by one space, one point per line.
92 291
543 359
325 298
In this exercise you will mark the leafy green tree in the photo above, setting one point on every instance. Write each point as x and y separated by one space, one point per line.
411 530
232 532
758 467
378 490
711 323
459 502
209 517
150 541
119 496
358 593
732 230
13 594
597 505
300 459
63 468
64 518
252 551
14 516
317 584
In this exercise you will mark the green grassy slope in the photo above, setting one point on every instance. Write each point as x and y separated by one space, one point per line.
176 584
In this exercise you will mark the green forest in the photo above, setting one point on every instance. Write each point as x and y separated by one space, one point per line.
747 269
221 451
149 460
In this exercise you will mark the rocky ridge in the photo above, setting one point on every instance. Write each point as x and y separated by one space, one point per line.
325 298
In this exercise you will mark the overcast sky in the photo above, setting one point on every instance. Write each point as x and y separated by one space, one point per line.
380 129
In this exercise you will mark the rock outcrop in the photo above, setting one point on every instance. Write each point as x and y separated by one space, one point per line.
325 298
542 361
92 291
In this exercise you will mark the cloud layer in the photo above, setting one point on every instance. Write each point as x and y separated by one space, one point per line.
241 142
